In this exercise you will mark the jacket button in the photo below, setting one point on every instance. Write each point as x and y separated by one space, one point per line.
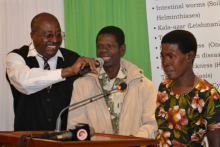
49 120
48 99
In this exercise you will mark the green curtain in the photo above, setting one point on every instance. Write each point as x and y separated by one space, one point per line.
85 18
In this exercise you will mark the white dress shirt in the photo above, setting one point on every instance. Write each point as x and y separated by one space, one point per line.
27 80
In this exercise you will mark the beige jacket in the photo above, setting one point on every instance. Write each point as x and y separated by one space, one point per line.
137 113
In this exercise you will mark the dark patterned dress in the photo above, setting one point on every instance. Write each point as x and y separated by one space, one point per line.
184 119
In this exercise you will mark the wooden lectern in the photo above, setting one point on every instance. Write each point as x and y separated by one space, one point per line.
10 139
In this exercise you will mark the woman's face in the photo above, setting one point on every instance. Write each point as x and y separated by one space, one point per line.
174 62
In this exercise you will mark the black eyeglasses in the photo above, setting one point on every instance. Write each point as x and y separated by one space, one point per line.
49 36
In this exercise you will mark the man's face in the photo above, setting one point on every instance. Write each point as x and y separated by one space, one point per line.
46 47
109 51
174 62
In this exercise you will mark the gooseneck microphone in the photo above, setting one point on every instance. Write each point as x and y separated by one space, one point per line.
80 132
121 87
70 135
87 68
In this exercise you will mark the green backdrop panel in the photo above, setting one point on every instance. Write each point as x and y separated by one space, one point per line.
85 18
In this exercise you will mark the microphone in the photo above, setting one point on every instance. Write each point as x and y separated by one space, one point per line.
87 68
65 136
121 87
80 132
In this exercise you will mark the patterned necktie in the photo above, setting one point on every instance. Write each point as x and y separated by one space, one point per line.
46 67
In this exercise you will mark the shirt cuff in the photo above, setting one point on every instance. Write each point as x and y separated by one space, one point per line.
56 75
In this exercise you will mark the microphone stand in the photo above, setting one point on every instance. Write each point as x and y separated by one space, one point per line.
58 123
51 134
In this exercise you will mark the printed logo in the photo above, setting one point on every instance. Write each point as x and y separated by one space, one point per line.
82 134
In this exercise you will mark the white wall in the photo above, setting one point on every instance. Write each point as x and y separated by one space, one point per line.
15 19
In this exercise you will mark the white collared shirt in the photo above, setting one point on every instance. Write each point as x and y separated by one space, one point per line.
27 80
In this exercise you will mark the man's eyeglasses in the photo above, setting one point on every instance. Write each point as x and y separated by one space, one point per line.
49 36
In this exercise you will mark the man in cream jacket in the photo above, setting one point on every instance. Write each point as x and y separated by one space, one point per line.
128 112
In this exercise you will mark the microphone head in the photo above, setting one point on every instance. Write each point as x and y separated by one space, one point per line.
122 86
101 61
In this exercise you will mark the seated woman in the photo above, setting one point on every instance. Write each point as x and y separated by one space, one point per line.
188 108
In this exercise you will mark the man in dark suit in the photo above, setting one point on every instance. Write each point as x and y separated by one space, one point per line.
41 76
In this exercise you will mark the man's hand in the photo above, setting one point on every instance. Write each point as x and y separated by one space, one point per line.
79 65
